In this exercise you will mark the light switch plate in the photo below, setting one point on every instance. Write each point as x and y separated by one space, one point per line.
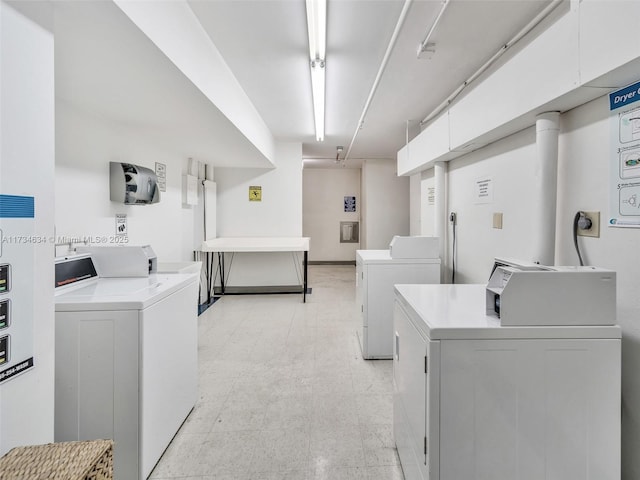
497 220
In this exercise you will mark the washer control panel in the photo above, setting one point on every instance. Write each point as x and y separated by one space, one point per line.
17 275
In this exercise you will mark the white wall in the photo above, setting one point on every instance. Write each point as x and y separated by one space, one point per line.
279 214
85 144
26 168
510 164
386 204
583 182
324 190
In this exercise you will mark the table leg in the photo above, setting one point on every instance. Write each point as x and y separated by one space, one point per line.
304 287
221 267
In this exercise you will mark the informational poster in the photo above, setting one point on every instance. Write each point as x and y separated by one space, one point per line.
161 175
17 227
431 196
624 189
350 204
483 190
255 193
121 224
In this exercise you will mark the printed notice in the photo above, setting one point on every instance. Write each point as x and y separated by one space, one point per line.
121 224
161 176
483 190
431 196
624 188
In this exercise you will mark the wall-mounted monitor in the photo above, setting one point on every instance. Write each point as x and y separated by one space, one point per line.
132 184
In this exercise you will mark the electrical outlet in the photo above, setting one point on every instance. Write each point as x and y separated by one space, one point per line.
594 231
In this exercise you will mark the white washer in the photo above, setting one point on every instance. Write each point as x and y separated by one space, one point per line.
376 274
126 364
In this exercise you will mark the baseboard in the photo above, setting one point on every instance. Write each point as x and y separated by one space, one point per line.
332 262
233 290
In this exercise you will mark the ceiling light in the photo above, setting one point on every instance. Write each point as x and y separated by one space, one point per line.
317 27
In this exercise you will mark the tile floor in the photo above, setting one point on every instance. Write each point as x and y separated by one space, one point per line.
284 392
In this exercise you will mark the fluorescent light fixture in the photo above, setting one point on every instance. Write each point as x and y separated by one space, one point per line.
317 27
317 88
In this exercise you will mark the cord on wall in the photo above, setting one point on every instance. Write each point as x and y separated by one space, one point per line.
454 223
583 222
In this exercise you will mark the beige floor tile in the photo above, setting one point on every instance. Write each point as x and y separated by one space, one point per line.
340 473
336 447
281 450
284 393
385 473
375 408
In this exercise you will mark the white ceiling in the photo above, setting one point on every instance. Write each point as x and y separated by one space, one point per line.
104 64
265 45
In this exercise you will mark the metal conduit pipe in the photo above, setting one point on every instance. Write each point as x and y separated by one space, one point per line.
530 26
545 184
423 45
383 66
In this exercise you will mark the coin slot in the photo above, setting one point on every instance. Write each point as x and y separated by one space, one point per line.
4 349
4 314
5 281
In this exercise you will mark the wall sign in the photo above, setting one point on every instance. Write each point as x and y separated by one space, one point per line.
624 189
255 193
161 175
17 214
121 224
350 204
483 190
431 196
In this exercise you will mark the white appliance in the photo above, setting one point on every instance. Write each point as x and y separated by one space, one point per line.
376 273
552 295
122 260
476 399
126 360
414 247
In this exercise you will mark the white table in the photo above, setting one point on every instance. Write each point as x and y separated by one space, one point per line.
224 245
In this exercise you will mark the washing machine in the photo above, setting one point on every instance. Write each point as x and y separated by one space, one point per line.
126 360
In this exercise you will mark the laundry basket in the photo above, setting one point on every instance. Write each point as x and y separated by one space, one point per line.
89 460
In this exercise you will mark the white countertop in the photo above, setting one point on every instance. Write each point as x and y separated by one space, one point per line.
459 312
256 244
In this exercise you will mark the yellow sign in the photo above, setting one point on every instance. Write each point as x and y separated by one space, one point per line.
255 193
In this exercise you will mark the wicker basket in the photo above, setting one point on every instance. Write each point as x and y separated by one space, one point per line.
90 460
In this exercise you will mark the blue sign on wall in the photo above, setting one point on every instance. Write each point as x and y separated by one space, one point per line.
349 204
624 96
14 206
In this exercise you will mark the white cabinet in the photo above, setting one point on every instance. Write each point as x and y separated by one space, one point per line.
376 274
497 402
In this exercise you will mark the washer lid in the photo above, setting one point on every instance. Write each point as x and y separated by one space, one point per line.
123 293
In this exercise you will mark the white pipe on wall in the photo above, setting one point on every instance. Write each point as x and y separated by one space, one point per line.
546 179
440 217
